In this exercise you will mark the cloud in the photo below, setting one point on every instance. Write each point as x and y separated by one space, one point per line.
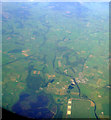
55 1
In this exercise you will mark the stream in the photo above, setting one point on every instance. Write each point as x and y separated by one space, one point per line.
80 93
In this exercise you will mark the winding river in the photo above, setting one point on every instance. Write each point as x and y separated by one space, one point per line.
80 92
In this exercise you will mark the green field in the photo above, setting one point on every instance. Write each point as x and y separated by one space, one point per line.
53 52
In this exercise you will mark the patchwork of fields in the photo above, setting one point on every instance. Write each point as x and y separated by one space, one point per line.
54 52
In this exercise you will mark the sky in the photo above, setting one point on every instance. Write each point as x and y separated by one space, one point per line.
55 1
